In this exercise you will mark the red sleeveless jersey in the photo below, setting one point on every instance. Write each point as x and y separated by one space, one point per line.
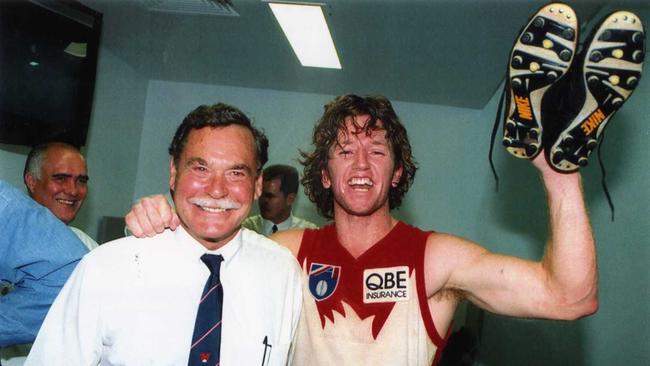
369 310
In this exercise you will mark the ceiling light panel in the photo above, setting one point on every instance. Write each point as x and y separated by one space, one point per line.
306 29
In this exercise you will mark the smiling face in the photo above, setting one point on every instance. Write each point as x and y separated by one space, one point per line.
62 185
361 170
214 183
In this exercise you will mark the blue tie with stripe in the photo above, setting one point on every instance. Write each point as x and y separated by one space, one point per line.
206 341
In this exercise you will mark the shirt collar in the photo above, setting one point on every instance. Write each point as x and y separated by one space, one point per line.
267 225
196 249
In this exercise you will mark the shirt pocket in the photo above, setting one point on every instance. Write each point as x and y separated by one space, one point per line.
279 355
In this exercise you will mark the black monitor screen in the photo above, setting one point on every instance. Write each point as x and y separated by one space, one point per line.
48 61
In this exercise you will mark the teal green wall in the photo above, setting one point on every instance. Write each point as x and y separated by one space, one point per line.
113 142
12 162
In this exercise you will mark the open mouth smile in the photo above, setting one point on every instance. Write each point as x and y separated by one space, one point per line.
361 184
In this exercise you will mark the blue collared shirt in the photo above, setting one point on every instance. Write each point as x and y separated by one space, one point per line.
37 254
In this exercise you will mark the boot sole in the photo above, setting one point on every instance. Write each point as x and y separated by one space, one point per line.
540 57
610 73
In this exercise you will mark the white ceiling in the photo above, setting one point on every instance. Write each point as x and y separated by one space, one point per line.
438 52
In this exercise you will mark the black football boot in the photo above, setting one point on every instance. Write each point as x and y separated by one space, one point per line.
541 56
604 75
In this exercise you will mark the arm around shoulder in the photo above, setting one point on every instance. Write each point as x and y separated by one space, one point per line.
150 216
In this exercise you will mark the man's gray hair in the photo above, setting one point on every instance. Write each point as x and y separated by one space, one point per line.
34 162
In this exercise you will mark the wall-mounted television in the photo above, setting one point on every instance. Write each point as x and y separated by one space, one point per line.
48 62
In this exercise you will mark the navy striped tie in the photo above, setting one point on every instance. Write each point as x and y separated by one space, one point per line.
206 340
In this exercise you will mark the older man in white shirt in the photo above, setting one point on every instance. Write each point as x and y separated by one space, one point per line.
135 301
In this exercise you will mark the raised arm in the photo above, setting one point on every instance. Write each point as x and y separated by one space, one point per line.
563 285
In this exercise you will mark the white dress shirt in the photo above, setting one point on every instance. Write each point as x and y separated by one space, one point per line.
134 302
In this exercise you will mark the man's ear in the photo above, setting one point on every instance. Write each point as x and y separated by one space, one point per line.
172 174
325 179
290 198
30 182
258 186
397 176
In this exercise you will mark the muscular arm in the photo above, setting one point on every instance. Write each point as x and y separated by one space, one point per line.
563 285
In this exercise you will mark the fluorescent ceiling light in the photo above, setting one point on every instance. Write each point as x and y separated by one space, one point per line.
307 32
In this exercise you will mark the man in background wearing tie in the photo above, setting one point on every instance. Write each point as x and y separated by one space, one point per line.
279 190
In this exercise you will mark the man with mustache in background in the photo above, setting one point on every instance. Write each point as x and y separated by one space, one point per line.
136 301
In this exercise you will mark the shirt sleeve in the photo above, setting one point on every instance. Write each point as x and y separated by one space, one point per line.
23 309
37 254
71 333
